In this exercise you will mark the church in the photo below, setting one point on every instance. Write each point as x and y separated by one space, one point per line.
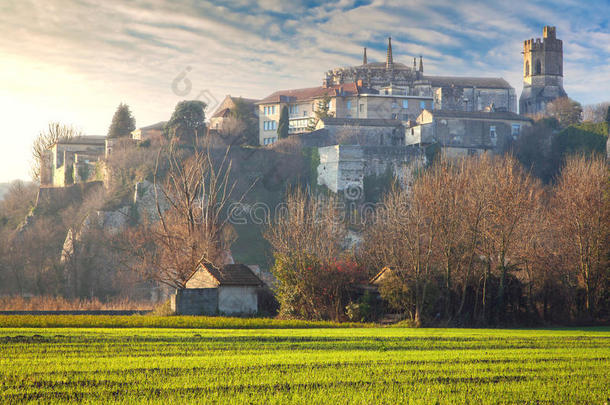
386 90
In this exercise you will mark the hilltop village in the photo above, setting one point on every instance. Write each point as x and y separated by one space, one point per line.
137 198
369 118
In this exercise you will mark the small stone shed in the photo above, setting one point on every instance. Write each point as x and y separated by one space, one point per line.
228 290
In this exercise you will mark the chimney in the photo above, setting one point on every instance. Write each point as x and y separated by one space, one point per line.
364 62
389 62
421 64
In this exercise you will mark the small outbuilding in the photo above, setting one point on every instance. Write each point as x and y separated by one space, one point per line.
228 290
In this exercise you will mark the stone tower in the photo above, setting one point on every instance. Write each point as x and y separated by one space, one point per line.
542 72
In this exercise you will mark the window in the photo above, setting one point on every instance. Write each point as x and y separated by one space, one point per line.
538 67
272 109
361 107
349 105
405 103
269 125
515 130
268 141
394 104
293 109
527 67
304 113
422 105
492 131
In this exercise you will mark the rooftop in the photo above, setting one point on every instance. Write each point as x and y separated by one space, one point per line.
84 139
233 275
362 122
310 93
158 125
486 82
498 115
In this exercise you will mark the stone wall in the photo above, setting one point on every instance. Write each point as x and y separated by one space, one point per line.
225 300
195 301
343 167
237 300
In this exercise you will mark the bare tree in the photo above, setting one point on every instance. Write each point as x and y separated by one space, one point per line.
581 212
47 138
566 110
307 237
596 112
308 224
512 195
402 237
191 226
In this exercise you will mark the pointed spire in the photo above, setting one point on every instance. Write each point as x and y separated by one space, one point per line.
364 62
421 64
389 62
414 64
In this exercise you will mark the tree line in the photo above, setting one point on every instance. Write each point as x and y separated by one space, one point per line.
473 241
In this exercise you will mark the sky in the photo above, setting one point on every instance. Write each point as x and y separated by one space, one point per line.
75 61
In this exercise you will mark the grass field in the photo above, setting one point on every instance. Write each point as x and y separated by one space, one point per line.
305 365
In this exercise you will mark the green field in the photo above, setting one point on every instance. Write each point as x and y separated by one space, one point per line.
304 365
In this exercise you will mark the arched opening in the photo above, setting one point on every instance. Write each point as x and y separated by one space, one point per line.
538 67
527 68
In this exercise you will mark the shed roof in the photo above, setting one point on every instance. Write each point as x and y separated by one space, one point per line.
231 275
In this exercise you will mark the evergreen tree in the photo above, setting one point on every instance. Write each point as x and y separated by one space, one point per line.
322 111
187 122
608 119
122 122
244 113
282 128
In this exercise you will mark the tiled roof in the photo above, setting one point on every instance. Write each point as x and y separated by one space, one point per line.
84 139
483 82
495 115
222 113
311 93
234 274
361 122
158 125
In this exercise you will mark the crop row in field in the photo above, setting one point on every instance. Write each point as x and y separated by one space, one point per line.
366 365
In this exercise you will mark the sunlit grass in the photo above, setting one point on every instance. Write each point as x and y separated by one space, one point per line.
306 365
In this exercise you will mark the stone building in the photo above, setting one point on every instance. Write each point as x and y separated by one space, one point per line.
542 72
448 92
71 161
382 90
465 132
149 132
226 107
359 131
343 168
348 101
231 289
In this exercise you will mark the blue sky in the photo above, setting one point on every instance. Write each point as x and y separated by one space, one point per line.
75 61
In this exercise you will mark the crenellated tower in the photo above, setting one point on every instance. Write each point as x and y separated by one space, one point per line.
542 72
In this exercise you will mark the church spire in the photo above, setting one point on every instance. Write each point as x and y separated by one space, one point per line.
389 62
364 62
414 64
421 64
